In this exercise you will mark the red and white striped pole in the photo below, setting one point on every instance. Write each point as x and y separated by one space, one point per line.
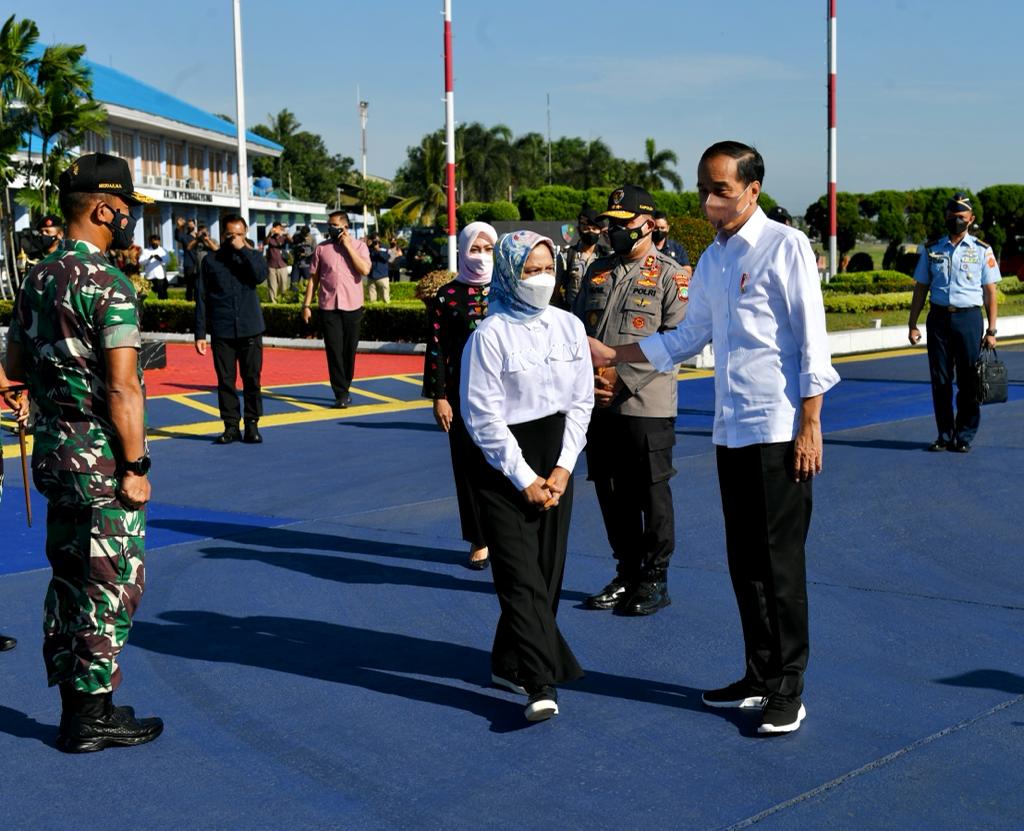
449 132
832 224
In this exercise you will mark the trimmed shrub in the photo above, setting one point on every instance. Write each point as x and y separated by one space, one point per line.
469 212
861 261
500 211
694 234
869 282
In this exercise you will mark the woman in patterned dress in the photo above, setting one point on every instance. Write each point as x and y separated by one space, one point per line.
454 312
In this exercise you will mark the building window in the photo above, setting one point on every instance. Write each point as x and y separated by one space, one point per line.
121 145
196 168
150 148
175 161
93 143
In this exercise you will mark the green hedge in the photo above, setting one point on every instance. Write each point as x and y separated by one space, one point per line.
869 282
897 300
398 321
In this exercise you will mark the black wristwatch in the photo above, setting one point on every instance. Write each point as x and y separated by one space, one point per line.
140 467
991 333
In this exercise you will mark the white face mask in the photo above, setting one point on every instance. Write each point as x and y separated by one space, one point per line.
537 290
480 265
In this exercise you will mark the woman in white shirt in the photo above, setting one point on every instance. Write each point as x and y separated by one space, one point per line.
154 259
527 392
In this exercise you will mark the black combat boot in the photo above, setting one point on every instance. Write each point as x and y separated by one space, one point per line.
648 595
252 433
91 722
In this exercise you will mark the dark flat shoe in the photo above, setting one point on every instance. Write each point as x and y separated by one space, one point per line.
7 643
479 565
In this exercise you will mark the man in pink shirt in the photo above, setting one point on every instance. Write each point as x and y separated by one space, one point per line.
339 265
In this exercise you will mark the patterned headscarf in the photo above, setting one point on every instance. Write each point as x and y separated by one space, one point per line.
510 255
467 236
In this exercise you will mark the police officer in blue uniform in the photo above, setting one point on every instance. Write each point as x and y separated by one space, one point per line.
960 273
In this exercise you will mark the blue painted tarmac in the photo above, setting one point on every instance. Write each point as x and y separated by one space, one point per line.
319 653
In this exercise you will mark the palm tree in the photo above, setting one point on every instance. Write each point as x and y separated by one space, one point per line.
486 168
425 176
64 111
656 167
281 128
17 39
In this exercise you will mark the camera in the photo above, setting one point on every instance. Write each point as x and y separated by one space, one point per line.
34 243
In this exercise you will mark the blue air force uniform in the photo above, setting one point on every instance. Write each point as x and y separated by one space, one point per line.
955 275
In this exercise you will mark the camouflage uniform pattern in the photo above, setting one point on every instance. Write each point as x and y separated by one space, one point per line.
72 307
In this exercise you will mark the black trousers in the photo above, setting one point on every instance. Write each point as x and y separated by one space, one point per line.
341 339
527 551
466 457
159 288
245 354
954 343
767 516
190 283
629 460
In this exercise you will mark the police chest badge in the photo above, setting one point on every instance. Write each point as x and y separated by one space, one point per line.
599 279
593 318
649 271
639 322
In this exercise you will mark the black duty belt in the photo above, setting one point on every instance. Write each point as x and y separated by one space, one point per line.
954 309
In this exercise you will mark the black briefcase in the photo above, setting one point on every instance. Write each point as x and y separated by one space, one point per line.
992 378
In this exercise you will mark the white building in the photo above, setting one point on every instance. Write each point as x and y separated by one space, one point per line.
183 157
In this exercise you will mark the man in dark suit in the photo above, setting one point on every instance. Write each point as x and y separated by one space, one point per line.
228 307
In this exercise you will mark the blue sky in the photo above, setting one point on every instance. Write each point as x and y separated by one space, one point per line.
930 91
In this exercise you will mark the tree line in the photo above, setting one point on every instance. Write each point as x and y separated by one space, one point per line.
898 217
492 164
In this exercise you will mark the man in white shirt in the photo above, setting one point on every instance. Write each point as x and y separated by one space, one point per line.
154 259
756 294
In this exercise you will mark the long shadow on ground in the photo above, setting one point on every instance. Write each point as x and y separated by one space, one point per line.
377 661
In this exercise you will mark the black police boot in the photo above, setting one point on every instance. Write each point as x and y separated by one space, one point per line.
91 722
252 433
231 434
611 594
7 642
648 595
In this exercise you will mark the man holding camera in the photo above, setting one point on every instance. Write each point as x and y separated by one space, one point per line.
153 260
228 307
339 265
185 239
278 279
380 277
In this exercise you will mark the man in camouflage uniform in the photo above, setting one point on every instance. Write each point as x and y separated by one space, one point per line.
623 298
74 340
19 404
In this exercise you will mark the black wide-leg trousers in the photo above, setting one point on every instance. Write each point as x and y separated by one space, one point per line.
466 457
527 550
767 516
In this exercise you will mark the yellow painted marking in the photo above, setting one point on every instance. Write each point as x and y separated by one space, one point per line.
409 379
295 402
183 398
387 399
283 419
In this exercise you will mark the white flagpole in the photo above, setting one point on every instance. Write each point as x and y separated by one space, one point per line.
243 162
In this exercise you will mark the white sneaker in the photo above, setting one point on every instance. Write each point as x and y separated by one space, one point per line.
543 705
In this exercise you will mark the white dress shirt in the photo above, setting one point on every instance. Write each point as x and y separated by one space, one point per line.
757 295
153 261
519 371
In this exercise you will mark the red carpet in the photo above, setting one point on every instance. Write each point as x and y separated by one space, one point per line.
187 370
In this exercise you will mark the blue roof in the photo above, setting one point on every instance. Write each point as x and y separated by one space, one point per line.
113 87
